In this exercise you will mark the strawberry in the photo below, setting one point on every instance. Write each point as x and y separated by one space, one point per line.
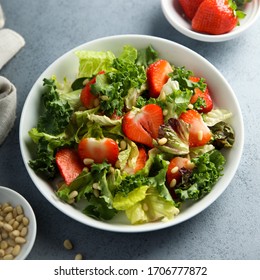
99 150
173 175
205 95
199 132
86 97
190 7
140 162
69 164
142 125
215 17
157 76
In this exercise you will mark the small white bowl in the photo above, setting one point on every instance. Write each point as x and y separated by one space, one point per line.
14 198
67 66
174 14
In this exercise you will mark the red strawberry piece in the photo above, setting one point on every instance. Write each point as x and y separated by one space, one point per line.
190 7
140 162
199 132
69 164
205 95
99 150
174 175
157 76
87 98
142 125
214 17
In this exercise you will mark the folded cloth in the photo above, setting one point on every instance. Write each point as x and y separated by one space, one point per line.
10 43
2 17
8 101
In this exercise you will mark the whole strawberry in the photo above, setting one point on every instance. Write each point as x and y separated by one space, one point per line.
216 17
190 7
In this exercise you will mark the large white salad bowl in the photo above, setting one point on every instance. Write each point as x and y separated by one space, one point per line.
67 66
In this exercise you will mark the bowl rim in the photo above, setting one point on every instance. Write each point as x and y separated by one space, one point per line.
167 8
129 228
32 223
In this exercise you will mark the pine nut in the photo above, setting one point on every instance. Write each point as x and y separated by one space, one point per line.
123 145
8 209
173 183
162 141
190 106
9 216
16 250
96 186
8 257
174 169
19 218
19 209
9 250
67 244
200 135
78 257
24 231
8 227
88 161
190 165
15 233
73 194
96 102
165 112
3 244
96 192
20 240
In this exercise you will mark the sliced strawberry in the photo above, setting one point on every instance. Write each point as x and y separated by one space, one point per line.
173 175
142 125
69 164
140 162
199 132
157 76
205 95
215 17
190 7
86 97
99 150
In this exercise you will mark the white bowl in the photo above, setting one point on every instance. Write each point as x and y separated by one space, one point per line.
174 14
67 65
14 198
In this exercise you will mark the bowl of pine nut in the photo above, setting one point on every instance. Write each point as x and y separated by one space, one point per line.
17 225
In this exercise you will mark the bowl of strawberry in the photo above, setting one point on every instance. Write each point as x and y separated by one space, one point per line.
211 20
131 133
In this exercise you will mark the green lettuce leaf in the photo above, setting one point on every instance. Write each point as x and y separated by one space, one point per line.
92 62
215 116
152 208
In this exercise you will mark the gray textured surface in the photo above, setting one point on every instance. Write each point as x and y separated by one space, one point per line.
229 228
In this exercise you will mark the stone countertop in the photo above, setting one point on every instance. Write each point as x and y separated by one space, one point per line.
230 227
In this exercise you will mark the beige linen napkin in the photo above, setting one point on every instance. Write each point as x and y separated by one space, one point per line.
8 101
10 41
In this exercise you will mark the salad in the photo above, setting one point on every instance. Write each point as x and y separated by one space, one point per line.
132 134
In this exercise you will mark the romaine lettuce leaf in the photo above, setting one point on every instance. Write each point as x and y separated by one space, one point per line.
92 62
215 116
